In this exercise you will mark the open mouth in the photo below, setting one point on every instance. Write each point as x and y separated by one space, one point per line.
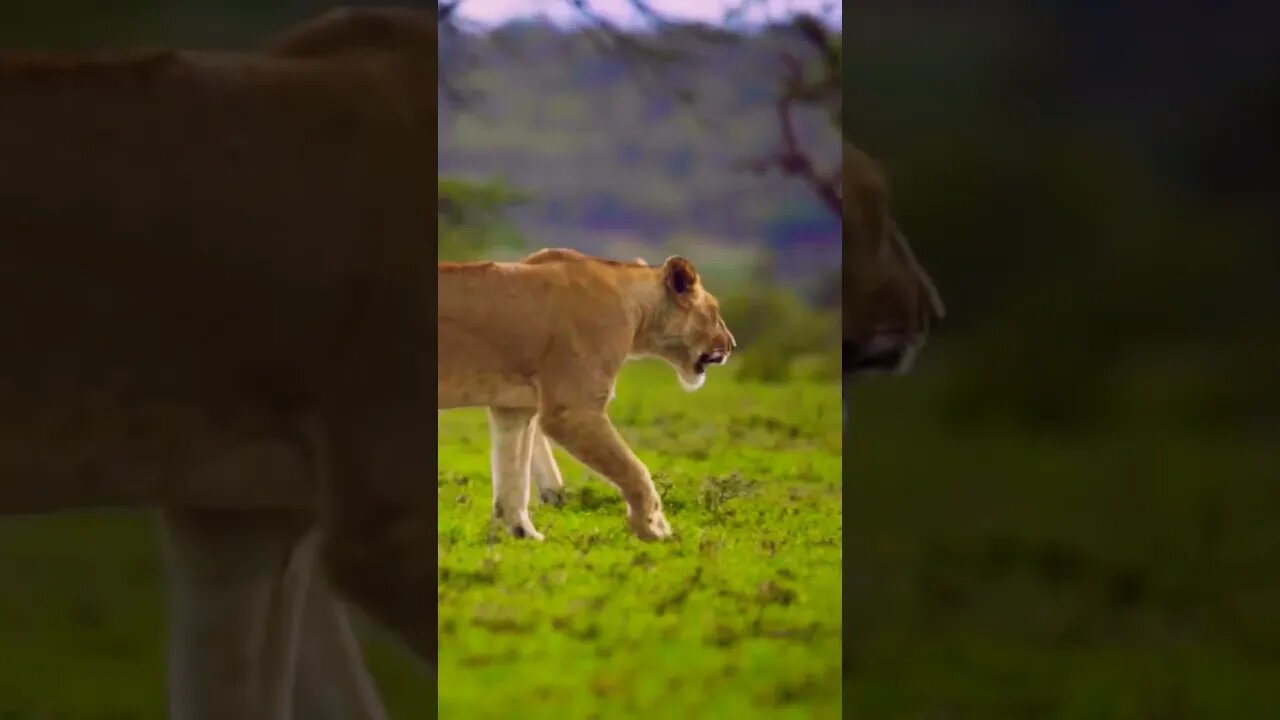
885 353
716 357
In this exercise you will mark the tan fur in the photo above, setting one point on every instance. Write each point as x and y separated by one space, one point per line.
204 255
886 290
547 337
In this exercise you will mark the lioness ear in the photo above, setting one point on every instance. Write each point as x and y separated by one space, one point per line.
679 274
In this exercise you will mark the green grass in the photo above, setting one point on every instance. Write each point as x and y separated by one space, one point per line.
82 613
990 573
740 616
1125 573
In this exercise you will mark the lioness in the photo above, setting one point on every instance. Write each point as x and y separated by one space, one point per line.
547 338
890 302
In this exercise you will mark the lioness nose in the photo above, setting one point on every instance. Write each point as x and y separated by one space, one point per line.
884 350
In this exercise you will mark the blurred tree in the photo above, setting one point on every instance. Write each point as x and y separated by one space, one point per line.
822 87
473 220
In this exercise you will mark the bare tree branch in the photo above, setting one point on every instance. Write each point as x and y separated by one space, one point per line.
451 89
649 59
619 41
445 10
791 159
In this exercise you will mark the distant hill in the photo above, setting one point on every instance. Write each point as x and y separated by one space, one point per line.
610 154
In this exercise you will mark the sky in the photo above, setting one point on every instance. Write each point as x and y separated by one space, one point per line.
620 11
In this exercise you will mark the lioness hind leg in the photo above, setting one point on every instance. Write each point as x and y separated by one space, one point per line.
377 526
332 682
590 437
511 431
543 468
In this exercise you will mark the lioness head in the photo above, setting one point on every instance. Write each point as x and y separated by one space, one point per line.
890 303
686 329
682 322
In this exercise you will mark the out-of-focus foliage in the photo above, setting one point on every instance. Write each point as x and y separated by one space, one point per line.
615 155
473 218
781 336
1065 512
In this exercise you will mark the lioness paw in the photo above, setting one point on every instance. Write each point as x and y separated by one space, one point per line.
523 530
518 524
526 530
648 526
551 496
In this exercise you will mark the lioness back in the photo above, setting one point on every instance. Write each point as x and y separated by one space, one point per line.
501 323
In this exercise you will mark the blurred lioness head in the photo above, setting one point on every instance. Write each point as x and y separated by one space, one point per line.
890 302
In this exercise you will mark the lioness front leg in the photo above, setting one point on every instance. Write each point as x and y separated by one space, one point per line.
511 436
590 437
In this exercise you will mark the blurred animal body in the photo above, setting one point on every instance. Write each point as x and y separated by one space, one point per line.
214 291
890 302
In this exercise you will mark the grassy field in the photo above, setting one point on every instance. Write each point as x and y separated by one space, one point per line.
987 574
1119 574
739 617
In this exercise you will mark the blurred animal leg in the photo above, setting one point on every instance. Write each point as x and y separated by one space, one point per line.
332 681
237 580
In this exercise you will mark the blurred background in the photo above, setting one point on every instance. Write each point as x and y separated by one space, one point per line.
1069 509
83 607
